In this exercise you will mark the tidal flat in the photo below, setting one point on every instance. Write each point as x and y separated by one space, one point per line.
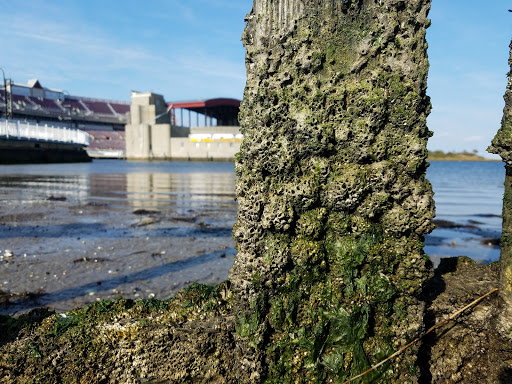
110 229
71 235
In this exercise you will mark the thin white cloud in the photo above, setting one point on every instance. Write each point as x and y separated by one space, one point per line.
204 64
489 80
473 139
439 135
176 10
64 40
64 53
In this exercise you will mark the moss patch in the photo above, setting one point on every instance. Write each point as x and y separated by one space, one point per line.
333 200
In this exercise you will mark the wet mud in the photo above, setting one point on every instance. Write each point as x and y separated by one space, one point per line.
65 251
70 240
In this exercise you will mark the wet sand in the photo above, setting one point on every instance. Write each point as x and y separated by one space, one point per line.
82 233
71 255
62 250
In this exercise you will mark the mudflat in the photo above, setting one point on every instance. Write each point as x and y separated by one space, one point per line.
61 253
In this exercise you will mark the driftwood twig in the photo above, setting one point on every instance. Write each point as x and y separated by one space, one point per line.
449 318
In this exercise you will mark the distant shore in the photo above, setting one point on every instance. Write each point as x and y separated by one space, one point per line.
451 156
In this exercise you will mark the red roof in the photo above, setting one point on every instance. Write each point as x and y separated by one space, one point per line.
224 110
200 104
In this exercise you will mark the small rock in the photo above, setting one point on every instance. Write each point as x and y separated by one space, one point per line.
57 198
146 220
143 211
490 242
8 253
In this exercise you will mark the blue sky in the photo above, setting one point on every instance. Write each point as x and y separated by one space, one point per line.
191 49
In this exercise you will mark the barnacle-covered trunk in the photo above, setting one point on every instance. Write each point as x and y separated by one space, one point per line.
333 200
502 145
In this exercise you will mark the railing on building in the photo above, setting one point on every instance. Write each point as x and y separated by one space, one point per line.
197 137
16 130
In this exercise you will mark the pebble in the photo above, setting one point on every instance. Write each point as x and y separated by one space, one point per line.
8 253
146 221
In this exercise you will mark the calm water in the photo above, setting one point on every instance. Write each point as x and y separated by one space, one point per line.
166 185
85 232
468 194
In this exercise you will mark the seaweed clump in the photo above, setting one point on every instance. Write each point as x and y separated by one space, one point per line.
187 338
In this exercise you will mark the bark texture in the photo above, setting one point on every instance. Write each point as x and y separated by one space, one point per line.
502 145
333 200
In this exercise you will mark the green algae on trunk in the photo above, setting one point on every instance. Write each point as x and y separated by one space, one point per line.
333 200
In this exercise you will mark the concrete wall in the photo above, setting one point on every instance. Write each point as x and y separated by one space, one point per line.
219 129
137 141
185 149
148 134
161 141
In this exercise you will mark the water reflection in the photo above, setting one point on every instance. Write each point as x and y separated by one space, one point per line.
58 219
177 189
114 229
180 191
29 187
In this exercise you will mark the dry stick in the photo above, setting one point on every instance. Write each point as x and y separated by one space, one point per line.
449 318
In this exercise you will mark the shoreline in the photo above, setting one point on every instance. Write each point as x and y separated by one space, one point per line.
462 156
483 159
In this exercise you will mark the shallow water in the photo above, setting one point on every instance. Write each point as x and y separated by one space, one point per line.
469 194
84 232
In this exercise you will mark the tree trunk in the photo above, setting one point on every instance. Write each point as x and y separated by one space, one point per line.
333 200
502 145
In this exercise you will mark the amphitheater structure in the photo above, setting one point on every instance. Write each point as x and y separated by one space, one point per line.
136 129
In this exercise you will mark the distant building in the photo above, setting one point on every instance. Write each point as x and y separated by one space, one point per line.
192 130
149 133
32 101
148 127
104 120
34 89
